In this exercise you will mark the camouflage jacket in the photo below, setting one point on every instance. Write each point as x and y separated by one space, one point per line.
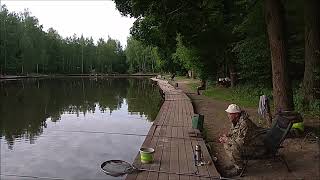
242 133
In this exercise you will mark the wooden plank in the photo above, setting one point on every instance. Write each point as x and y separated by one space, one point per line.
137 161
168 103
176 114
150 143
157 130
162 113
174 159
207 158
169 132
166 116
190 113
151 130
180 114
169 119
185 132
190 158
163 131
174 132
186 114
157 161
172 114
201 169
180 132
169 112
165 160
184 110
183 168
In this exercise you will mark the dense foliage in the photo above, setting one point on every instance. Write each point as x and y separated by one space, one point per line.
233 38
26 48
141 58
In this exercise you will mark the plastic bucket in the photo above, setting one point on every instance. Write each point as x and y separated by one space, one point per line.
197 121
146 155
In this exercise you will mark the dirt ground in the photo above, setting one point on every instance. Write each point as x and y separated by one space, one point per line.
302 154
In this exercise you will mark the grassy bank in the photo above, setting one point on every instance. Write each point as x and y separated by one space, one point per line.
248 96
243 96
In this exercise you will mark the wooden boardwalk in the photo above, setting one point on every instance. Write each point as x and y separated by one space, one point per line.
173 143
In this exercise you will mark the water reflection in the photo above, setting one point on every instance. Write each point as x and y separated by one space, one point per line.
65 128
26 106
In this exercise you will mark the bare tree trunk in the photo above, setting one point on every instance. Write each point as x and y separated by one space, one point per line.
233 74
282 91
193 74
312 50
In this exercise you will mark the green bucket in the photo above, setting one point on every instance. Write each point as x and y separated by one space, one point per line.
197 121
146 155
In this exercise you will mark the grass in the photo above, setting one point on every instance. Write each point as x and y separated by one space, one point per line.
243 99
243 96
180 78
248 96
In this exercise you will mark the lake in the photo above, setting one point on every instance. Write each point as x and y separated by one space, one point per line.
66 127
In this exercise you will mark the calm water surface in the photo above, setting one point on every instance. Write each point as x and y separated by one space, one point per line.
66 127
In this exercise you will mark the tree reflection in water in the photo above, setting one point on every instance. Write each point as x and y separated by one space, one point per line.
25 105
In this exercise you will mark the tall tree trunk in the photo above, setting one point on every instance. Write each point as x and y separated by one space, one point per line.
311 82
232 71
275 20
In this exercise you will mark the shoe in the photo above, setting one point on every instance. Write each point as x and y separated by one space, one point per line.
233 172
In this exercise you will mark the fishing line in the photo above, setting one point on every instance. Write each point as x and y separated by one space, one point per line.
34 177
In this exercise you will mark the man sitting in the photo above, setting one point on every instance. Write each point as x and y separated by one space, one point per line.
242 139
202 86
173 76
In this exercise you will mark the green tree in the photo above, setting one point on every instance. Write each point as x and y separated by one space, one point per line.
26 48
140 57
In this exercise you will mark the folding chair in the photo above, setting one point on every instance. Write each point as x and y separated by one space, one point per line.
274 136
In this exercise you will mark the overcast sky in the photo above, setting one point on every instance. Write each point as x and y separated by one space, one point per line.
87 17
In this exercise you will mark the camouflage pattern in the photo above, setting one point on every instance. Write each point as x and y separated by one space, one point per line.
244 139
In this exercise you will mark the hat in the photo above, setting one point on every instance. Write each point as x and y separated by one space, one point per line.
233 108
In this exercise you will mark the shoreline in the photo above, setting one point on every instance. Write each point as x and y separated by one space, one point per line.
16 77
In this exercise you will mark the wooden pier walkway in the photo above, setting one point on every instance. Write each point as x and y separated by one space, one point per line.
172 137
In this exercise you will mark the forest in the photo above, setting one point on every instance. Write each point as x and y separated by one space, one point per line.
258 44
26 48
